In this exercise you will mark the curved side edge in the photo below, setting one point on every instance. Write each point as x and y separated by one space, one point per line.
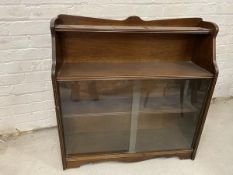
132 20
214 27
53 22
54 68
52 30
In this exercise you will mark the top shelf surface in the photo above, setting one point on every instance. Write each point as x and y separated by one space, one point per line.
131 70
132 29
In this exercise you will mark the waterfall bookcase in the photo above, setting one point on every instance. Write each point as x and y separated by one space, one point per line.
131 90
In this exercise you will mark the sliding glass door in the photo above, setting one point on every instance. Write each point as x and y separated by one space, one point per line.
130 115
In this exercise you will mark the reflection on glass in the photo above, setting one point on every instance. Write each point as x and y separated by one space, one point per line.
169 111
130 116
96 116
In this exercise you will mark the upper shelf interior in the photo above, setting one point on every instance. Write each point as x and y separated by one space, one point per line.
131 70
132 29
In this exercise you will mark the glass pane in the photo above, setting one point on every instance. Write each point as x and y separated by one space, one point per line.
131 116
96 115
168 114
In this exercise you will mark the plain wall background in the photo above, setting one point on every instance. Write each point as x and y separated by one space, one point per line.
26 97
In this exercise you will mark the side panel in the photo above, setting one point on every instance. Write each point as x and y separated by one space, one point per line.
56 63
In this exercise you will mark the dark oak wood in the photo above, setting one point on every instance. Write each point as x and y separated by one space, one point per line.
110 47
56 64
153 56
130 21
74 161
132 29
131 70
208 62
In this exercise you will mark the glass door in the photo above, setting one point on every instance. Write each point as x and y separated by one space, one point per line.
167 114
130 116
96 116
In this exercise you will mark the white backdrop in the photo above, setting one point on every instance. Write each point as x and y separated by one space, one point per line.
26 100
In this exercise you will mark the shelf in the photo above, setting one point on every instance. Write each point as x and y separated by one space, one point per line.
131 70
88 123
165 110
132 29
117 107
131 90
104 107
97 142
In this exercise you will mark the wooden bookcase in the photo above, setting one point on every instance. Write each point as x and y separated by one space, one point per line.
130 90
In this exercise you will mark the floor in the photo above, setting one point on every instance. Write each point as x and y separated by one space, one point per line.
38 153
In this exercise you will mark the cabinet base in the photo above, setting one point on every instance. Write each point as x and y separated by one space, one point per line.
73 161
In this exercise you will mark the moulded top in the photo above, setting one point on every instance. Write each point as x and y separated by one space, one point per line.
132 29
